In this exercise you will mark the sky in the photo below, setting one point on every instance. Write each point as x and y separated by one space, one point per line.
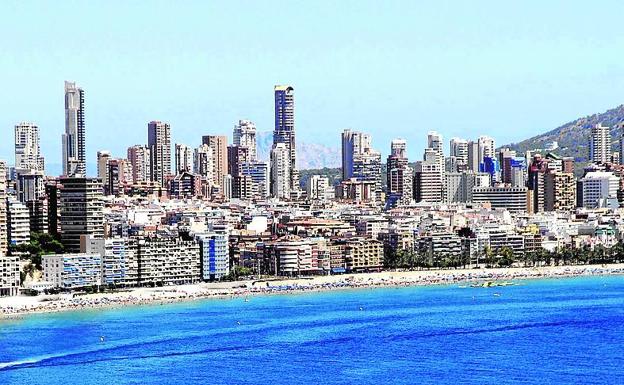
390 68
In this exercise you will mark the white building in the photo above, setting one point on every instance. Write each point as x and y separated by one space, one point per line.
280 171
119 259
9 275
245 136
598 188
103 157
318 188
600 144
139 158
513 199
204 162
19 223
27 149
183 158
72 271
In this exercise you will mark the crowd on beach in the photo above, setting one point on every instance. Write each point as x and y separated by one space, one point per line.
142 296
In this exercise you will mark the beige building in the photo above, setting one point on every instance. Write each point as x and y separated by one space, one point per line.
559 191
218 144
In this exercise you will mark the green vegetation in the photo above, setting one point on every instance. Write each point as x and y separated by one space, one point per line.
40 244
237 272
505 257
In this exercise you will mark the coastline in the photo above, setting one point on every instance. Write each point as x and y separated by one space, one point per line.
16 307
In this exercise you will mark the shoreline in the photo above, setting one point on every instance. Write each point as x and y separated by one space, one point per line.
22 306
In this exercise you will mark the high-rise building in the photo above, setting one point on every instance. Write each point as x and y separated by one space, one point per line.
218 144
80 210
600 144
214 254
27 149
459 149
245 136
74 141
285 128
3 210
30 185
139 159
204 162
559 191
280 171
359 160
513 199
236 156
353 143
317 187
159 142
428 178
459 185
19 222
183 158
399 175
434 141
487 148
103 156
598 187
118 176
255 180
474 161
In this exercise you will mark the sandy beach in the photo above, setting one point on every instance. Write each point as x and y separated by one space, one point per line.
22 305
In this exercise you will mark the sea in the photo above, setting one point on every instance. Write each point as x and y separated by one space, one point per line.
549 331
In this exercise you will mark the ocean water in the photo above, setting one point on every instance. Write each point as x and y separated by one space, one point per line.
562 331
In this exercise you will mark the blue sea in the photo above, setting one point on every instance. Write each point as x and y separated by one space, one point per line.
559 331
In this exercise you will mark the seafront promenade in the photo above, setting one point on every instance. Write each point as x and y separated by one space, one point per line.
22 305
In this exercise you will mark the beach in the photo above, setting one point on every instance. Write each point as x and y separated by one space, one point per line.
22 305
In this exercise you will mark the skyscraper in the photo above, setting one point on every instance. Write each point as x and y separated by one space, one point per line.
27 149
359 159
280 171
434 141
218 144
459 149
183 158
74 158
285 128
245 136
139 158
103 156
80 210
204 162
600 144
399 174
159 142
487 148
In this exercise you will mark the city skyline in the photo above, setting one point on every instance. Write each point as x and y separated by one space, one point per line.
417 88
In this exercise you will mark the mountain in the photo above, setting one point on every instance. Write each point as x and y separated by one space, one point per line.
309 155
573 137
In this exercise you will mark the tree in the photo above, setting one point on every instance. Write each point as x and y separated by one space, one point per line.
507 257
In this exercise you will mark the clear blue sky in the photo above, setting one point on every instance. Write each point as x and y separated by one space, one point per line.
391 68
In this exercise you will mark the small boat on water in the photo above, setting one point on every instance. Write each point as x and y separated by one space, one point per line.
488 284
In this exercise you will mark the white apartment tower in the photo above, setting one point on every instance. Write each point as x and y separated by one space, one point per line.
27 149
245 136
139 158
159 142
183 158
280 171
600 144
